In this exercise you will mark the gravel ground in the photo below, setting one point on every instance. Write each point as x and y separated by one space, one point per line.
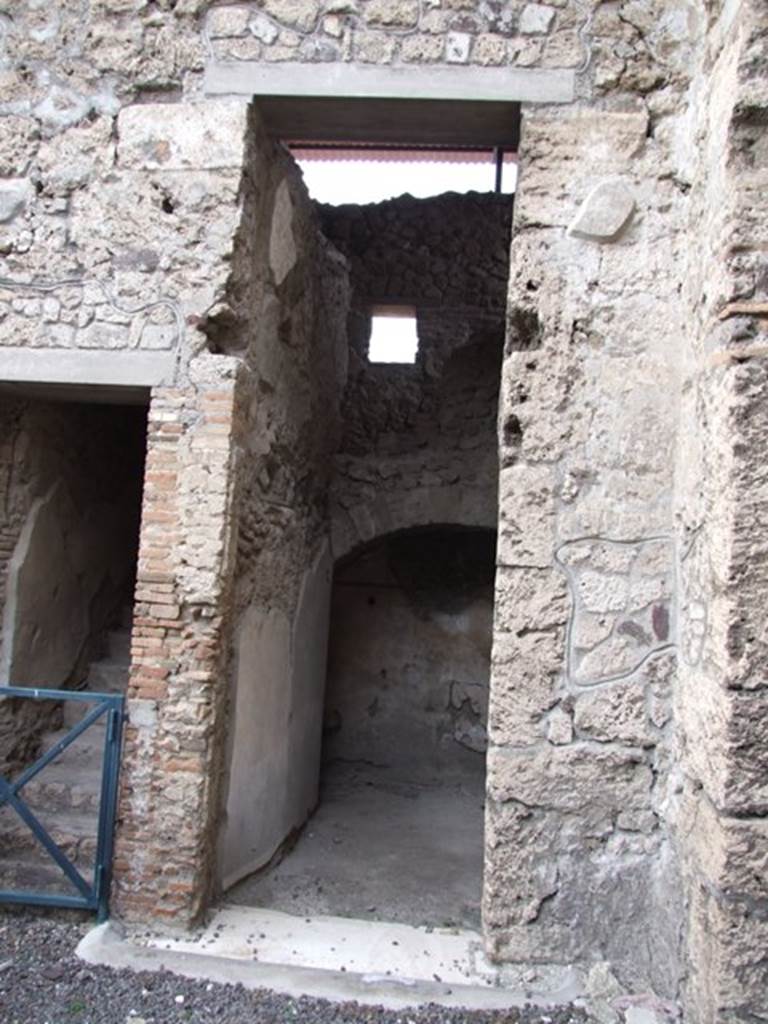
42 982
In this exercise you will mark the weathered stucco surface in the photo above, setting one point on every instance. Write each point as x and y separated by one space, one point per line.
138 215
721 696
289 324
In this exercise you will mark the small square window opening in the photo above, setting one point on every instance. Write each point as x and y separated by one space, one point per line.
394 337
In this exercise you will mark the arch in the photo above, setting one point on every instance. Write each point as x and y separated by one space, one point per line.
449 505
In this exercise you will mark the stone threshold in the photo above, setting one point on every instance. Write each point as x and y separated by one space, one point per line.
340 959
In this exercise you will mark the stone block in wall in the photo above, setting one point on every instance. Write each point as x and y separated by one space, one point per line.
162 233
527 510
183 136
728 975
596 784
536 19
727 854
548 869
615 713
520 876
392 13
18 144
566 156
727 748
74 157
525 669
226 21
15 194
299 15
530 599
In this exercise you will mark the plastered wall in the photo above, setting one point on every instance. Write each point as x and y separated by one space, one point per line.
292 332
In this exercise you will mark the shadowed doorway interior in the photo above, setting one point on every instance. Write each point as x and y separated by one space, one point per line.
398 833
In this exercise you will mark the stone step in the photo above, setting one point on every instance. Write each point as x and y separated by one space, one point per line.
66 795
75 833
87 749
65 787
38 876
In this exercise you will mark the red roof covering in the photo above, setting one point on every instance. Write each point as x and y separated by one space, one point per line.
393 154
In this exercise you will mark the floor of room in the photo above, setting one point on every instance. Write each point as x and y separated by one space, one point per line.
381 848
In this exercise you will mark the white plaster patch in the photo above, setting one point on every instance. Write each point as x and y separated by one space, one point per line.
179 136
620 615
264 29
536 19
457 47
604 213
15 193
282 243
142 713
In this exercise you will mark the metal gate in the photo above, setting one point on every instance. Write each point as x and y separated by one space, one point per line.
93 894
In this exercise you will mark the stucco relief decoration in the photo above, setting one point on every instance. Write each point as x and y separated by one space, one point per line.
623 611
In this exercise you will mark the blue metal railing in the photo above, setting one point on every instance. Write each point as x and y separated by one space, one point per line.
94 894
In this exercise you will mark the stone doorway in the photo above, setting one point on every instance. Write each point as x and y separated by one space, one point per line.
72 492
398 833
350 473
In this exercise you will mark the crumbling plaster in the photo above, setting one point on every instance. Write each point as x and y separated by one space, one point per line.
720 496
631 423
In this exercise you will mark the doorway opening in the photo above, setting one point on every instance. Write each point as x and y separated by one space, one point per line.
373 509
398 834
72 487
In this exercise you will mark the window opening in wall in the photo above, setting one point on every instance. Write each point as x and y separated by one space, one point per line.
394 335
340 175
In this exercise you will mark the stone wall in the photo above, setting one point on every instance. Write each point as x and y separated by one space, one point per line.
398 32
120 202
409 656
581 763
721 700
291 312
450 252
418 444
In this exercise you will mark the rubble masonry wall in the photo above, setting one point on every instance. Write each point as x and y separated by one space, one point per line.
120 173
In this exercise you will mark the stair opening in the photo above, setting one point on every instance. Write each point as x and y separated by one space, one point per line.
67 577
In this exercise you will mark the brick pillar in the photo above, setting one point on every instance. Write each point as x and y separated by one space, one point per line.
169 785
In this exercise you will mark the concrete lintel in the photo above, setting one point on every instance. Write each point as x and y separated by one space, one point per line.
133 369
523 85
